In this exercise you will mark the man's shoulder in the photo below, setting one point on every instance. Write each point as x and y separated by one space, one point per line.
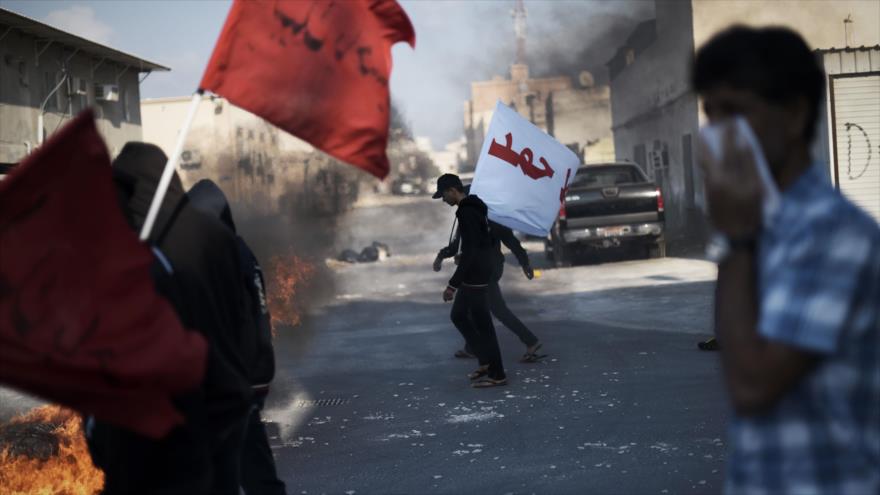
830 214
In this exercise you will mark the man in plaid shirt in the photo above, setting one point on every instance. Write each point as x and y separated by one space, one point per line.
797 307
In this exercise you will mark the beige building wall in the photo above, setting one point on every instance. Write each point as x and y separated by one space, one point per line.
576 116
245 155
820 22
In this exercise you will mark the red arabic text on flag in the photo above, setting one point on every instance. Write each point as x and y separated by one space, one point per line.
317 69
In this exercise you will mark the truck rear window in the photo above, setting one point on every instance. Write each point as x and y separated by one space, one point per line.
606 176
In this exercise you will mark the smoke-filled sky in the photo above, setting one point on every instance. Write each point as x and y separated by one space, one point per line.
456 42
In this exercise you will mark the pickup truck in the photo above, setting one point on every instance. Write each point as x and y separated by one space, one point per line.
610 205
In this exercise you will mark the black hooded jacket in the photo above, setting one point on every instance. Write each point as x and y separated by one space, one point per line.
475 266
204 259
256 348
500 235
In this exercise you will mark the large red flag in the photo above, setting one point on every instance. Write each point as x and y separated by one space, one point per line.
317 69
81 323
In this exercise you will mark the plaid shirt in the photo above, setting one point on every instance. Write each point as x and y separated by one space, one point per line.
819 291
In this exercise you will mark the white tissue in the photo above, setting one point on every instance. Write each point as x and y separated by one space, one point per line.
713 137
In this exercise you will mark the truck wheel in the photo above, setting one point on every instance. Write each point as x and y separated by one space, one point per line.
561 255
657 250
548 251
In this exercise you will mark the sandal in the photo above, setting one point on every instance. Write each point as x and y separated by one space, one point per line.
478 373
489 382
537 347
532 358
709 345
463 354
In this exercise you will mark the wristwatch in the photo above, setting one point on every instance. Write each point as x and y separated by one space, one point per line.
721 246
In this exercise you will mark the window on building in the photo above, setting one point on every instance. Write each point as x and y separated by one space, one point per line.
49 84
640 157
687 160
250 134
630 56
23 76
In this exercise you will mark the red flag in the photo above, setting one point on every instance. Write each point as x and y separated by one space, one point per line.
81 323
317 69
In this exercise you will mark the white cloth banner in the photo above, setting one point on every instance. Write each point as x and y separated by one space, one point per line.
522 173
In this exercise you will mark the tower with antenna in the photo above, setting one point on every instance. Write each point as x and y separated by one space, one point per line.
519 28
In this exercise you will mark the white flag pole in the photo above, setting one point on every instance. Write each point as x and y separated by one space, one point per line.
170 166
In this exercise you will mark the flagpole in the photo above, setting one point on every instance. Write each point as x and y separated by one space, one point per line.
170 166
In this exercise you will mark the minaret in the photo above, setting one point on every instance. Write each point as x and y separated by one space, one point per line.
519 70
519 28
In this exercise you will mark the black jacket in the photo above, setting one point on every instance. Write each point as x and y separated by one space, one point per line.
500 235
256 341
194 269
204 257
475 266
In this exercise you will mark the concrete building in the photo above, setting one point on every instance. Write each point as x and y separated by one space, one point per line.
655 115
578 116
48 75
246 156
849 129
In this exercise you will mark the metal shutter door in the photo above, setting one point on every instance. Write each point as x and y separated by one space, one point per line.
857 145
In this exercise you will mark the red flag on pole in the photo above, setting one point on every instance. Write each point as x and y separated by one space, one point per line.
317 69
81 323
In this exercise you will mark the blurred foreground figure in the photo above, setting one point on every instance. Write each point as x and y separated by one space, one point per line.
798 293
258 474
197 270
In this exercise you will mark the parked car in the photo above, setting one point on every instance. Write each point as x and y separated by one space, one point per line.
405 187
608 206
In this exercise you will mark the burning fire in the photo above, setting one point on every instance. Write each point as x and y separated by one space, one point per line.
44 451
287 275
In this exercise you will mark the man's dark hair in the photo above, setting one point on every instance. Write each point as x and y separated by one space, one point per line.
775 63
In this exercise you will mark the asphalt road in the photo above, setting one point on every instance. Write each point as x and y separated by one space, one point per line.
369 400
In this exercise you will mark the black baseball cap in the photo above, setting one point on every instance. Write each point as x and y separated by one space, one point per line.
446 181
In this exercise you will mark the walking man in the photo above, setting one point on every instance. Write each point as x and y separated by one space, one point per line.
469 285
797 304
497 305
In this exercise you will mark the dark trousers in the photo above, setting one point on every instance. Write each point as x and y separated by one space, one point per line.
227 461
179 463
470 315
498 308
258 475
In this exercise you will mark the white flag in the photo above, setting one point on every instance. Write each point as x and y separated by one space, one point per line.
522 173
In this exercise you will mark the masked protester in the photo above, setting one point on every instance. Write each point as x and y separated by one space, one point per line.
258 473
797 303
198 271
469 284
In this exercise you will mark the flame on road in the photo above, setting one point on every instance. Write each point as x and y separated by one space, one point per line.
288 276
49 456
